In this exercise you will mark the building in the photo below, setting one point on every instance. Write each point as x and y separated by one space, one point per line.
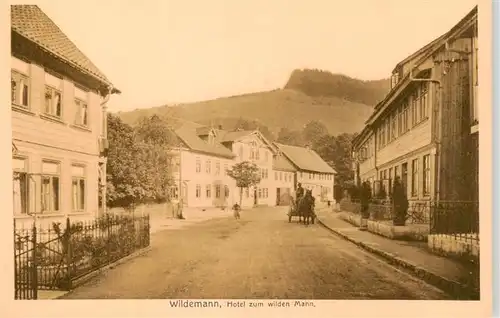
203 155
310 170
426 129
58 100
284 178
202 158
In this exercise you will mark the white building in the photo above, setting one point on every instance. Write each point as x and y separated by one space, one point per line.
58 102
204 154
310 170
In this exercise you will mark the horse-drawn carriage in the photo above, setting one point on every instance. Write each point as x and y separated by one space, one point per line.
301 209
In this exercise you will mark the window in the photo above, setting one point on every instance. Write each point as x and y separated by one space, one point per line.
198 165
404 175
226 191
50 187
275 175
53 102
19 89
78 188
217 168
400 120
393 125
20 186
396 172
406 125
388 129
281 175
266 173
81 116
423 101
427 175
259 191
208 190
198 190
414 108
217 190
265 193
474 108
390 180
208 166
414 179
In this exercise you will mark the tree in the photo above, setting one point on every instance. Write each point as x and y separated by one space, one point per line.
289 137
246 174
313 131
123 185
138 163
154 131
154 140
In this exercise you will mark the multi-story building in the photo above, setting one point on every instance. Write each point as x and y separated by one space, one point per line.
284 178
58 100
205 153
310 170
426 129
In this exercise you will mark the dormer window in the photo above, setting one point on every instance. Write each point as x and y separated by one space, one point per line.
394 80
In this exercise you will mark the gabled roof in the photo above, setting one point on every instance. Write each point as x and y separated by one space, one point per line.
305 159
33 24
231 136
280 162
435 46
188 135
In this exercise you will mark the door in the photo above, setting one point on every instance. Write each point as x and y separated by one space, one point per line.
404 176
278 196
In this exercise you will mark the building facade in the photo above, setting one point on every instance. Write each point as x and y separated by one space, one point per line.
58 101
426 128
310 170
204 154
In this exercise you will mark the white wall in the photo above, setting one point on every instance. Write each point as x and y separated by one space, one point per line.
39 137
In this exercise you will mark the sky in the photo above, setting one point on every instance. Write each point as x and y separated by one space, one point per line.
161 52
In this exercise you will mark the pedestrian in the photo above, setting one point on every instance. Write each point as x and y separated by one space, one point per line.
299 192
236 211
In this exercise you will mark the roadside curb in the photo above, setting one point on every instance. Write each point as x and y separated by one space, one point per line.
81 280
455 289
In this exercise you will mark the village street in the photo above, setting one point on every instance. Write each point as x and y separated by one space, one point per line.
259 256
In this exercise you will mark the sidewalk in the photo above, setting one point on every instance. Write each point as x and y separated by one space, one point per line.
445 273
161 220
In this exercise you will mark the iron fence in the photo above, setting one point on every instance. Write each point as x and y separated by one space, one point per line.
458 219
52 257
418 211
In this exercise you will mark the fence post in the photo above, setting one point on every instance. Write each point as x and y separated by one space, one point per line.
69 255
108 223
34 267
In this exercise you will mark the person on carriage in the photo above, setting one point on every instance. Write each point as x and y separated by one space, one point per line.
299 192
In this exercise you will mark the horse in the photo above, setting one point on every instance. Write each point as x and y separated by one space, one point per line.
306 209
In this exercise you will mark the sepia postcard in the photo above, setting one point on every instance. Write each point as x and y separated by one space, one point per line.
241 158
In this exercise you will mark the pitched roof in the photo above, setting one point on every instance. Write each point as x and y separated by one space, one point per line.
234 135
32 23
187 134
280 162
305 159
